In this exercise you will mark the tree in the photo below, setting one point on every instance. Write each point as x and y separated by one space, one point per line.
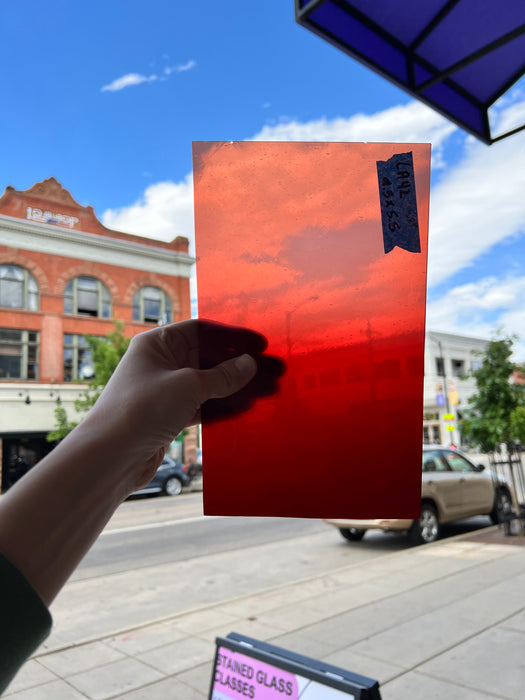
106 353
63 425
495 415
517 424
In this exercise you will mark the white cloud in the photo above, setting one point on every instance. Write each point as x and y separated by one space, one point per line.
410 123
179 69
166 208
185 66
477 205
512 117
164 211
479 308
131 79
127 81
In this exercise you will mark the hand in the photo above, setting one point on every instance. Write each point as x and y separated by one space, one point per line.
59 508
168 374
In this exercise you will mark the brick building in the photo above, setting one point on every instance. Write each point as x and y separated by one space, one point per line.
62 275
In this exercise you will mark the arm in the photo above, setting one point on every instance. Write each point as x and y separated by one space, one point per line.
50 518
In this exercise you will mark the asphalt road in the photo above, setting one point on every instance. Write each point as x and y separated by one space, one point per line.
154 531
160 556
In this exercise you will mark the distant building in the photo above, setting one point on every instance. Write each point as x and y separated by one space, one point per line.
62 275
449 359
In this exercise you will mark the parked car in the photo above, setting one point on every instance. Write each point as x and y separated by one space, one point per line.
171 476
452 488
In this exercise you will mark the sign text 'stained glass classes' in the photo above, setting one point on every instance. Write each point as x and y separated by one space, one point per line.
248 668
18 288
87 296
18 354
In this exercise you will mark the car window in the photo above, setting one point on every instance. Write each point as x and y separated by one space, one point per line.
458 463
432 462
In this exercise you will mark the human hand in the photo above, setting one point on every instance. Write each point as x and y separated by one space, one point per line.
174 376
167 380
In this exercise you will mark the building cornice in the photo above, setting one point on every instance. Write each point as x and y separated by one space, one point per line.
47 238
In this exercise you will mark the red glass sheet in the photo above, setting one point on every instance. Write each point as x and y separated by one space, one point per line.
291 241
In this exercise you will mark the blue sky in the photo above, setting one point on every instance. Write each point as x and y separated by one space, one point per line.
108 96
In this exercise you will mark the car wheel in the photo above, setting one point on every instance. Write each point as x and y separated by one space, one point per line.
352 533
173 486
502 507
426 529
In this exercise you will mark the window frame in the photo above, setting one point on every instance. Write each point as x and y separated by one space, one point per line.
437 457
454 460
76 347
138 314
27 294
458 368
24 343
103 297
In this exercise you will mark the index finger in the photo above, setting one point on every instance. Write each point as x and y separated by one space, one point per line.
219 342
203 344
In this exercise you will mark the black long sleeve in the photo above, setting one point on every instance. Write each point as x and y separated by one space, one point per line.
25 621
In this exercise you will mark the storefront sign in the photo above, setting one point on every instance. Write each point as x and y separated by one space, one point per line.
48 217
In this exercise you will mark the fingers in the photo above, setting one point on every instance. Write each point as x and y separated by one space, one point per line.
228 377
232 372
264 383
203 344
219 342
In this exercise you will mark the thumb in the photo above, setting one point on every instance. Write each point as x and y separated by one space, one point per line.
228 377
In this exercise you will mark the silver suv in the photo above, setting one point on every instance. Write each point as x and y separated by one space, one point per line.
452 488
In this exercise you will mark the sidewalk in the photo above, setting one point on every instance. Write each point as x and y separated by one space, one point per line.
445 620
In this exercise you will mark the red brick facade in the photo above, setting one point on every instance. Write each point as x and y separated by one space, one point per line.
63 274
53 271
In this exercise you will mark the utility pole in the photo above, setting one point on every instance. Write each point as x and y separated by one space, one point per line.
445 382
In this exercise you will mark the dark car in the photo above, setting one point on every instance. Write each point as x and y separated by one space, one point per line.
171 476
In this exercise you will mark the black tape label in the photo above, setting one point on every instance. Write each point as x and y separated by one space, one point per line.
397 196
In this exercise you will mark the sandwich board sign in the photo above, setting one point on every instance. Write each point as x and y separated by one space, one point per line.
248 668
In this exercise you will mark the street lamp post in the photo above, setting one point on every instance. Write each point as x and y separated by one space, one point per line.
445 382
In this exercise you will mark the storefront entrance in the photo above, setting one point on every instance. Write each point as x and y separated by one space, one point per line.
20 452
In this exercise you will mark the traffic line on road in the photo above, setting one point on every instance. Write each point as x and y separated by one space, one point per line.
152 526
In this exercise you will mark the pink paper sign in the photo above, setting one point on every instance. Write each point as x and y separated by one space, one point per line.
238 676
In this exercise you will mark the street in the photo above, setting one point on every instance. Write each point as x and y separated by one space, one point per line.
159 556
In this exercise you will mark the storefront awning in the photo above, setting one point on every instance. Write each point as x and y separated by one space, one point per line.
457 56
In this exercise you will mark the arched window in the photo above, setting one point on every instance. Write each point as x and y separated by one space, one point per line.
152 305
18 288
87 296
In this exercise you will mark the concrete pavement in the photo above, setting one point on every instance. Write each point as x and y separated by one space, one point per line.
445 620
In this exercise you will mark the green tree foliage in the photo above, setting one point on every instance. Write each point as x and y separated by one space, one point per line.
517 424
495 411
63 426
106 353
